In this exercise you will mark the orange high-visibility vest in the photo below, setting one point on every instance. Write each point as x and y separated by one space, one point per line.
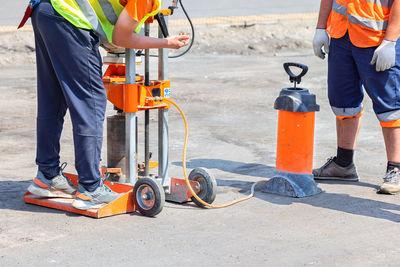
365 20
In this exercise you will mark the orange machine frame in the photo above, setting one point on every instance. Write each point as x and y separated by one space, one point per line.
132 97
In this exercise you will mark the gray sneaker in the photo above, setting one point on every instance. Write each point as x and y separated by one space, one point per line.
89 200
332 171
391 182
59 186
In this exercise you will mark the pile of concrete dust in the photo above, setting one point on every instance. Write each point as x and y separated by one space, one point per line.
18 48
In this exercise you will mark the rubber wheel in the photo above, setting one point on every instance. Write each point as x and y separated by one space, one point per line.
148 197
208 186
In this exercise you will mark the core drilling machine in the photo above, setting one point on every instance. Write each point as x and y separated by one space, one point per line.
131 93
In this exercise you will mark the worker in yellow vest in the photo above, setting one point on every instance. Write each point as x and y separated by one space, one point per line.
361 40
69 76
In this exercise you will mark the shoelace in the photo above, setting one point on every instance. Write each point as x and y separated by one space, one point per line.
392 176
63 166
329 160
105 188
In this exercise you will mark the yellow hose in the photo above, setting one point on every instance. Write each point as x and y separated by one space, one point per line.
185 172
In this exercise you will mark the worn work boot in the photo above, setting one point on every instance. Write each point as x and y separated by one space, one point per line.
332 171
58 186
391 182
87 200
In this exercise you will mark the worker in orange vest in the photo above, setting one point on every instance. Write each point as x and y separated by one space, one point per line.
69 77
361 40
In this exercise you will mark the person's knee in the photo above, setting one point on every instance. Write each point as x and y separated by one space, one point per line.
348 113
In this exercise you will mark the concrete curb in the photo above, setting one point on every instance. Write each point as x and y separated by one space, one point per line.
209 21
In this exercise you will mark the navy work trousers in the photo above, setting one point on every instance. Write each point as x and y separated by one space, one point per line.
69 76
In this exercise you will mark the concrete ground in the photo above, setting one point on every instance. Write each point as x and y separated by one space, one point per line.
228 100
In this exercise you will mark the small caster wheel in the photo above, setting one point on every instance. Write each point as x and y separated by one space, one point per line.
208 186
148 197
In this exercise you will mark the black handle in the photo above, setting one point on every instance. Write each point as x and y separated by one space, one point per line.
163 25
292 77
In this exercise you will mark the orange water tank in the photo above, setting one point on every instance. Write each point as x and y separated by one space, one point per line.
295 125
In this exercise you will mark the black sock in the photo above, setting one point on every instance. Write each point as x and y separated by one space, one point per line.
344 157
391 165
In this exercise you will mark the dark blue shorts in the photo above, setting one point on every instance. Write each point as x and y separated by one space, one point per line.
349 71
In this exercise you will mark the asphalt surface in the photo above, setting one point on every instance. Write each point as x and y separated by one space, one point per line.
11 12
228 100
232 129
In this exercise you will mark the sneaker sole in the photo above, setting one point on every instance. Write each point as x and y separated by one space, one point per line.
85 205
336 178
37 191
388 191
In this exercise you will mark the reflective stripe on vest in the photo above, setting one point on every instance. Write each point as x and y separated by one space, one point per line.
384 3
342 10
365 20
368 23
95 21
99 16
108 10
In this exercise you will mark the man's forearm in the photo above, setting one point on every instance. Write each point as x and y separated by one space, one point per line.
137 41
393 29
123 35
324 11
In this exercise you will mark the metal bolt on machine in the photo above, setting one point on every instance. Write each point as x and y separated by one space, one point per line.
131 93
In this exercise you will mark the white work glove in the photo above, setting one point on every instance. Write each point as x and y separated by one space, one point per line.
321 39
384 55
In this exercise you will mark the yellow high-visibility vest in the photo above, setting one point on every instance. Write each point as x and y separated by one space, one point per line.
97 15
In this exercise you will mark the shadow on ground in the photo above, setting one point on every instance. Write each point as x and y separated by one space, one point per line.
12 197
334 201
12 192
